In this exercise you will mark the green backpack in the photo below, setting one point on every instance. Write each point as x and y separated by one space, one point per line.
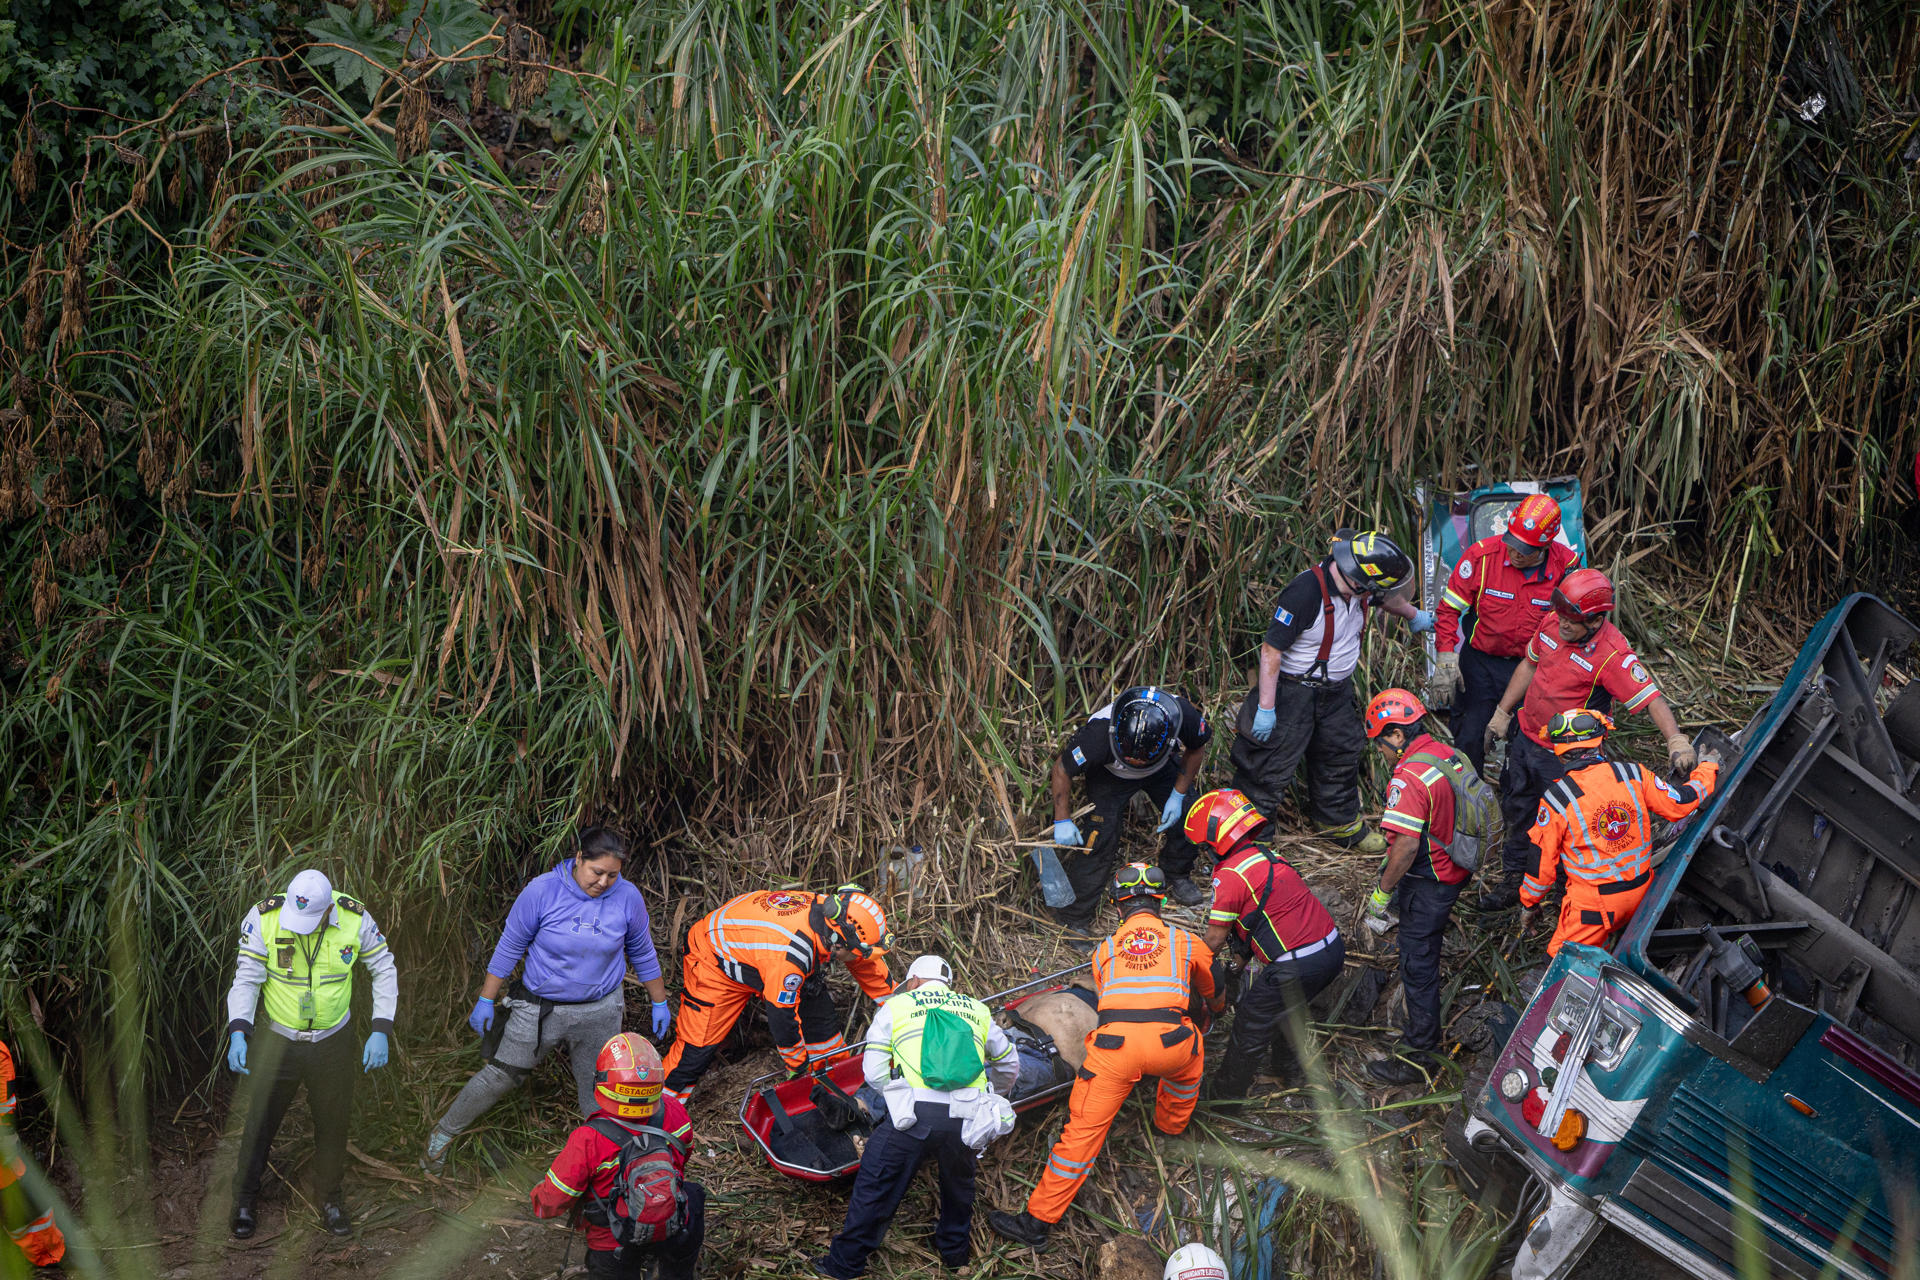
1476 810
949 1051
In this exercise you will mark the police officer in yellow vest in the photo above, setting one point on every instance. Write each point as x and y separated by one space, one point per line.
301 946
924 1021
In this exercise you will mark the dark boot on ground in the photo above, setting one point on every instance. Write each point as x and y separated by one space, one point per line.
1021 1227
335 1219
1411 1066
1185 891
243 1222
1502 896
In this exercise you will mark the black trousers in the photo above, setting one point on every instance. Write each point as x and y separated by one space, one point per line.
887 1170
279 1068
677 1254
1089 872
1425 905
1483 679
1319 728
1263 1020
1531 769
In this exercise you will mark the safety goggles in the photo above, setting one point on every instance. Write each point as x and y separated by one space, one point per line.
1133 876
1579 726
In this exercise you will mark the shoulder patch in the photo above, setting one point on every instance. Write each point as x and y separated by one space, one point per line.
349 904
1394 792
1079 756
1283 616
274 903
790 990
1466 567
1638 672
1203 725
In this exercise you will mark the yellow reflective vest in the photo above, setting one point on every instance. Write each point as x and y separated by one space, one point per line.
309 983
909 1011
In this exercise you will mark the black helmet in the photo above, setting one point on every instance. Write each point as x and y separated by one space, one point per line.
1143 726
1371 561
1137 880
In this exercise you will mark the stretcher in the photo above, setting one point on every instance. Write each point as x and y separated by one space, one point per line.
813 1127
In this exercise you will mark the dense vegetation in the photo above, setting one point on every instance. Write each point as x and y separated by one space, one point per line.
443 423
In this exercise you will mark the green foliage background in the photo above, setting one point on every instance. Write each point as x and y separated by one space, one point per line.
385 484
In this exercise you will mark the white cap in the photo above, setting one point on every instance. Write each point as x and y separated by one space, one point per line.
308 898
1195 1262
930 968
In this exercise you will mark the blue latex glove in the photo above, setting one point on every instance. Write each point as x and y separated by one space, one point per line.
1262 723
662 1018
482 1016
1065 832
237 1053
375 1055
1170 812
1422 620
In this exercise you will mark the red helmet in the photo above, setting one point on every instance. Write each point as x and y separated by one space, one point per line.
1583 594
628 1077
1393 706
1221 819
1535 522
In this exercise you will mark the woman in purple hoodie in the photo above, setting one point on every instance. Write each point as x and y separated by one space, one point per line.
577 929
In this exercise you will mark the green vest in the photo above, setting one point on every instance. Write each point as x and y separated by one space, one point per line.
909 1011
310 976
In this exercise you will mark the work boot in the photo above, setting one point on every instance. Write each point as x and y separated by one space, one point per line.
335 1219
1403 1069
1224 1088
1504 896
1356 835
243 1222
1021 1227
1187 893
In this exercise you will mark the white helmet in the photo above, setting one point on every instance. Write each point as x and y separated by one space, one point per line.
1195 1262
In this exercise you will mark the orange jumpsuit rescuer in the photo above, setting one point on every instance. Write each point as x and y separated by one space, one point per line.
775 946
1146 974
1595 822
36 1237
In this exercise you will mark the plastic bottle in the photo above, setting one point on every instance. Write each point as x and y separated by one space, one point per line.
903 867
1055 888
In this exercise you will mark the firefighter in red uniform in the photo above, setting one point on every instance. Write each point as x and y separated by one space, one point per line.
627 1086
35 1236
1577 659
1262 905
1497 597
1419 881
775 946
1595 823
1146 974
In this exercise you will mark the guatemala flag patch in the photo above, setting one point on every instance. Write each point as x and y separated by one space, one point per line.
1283 617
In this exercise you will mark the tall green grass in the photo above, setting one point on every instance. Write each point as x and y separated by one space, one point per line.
865 390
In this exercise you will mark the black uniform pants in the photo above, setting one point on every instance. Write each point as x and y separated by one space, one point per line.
1316 726
279 1067
1531 769
677 1254
1425 905
1263 1021
887 1170
1483 679
1089 872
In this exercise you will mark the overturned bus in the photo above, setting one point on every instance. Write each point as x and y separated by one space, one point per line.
1735 1085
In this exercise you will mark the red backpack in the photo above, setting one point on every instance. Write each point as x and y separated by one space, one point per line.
647 1203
